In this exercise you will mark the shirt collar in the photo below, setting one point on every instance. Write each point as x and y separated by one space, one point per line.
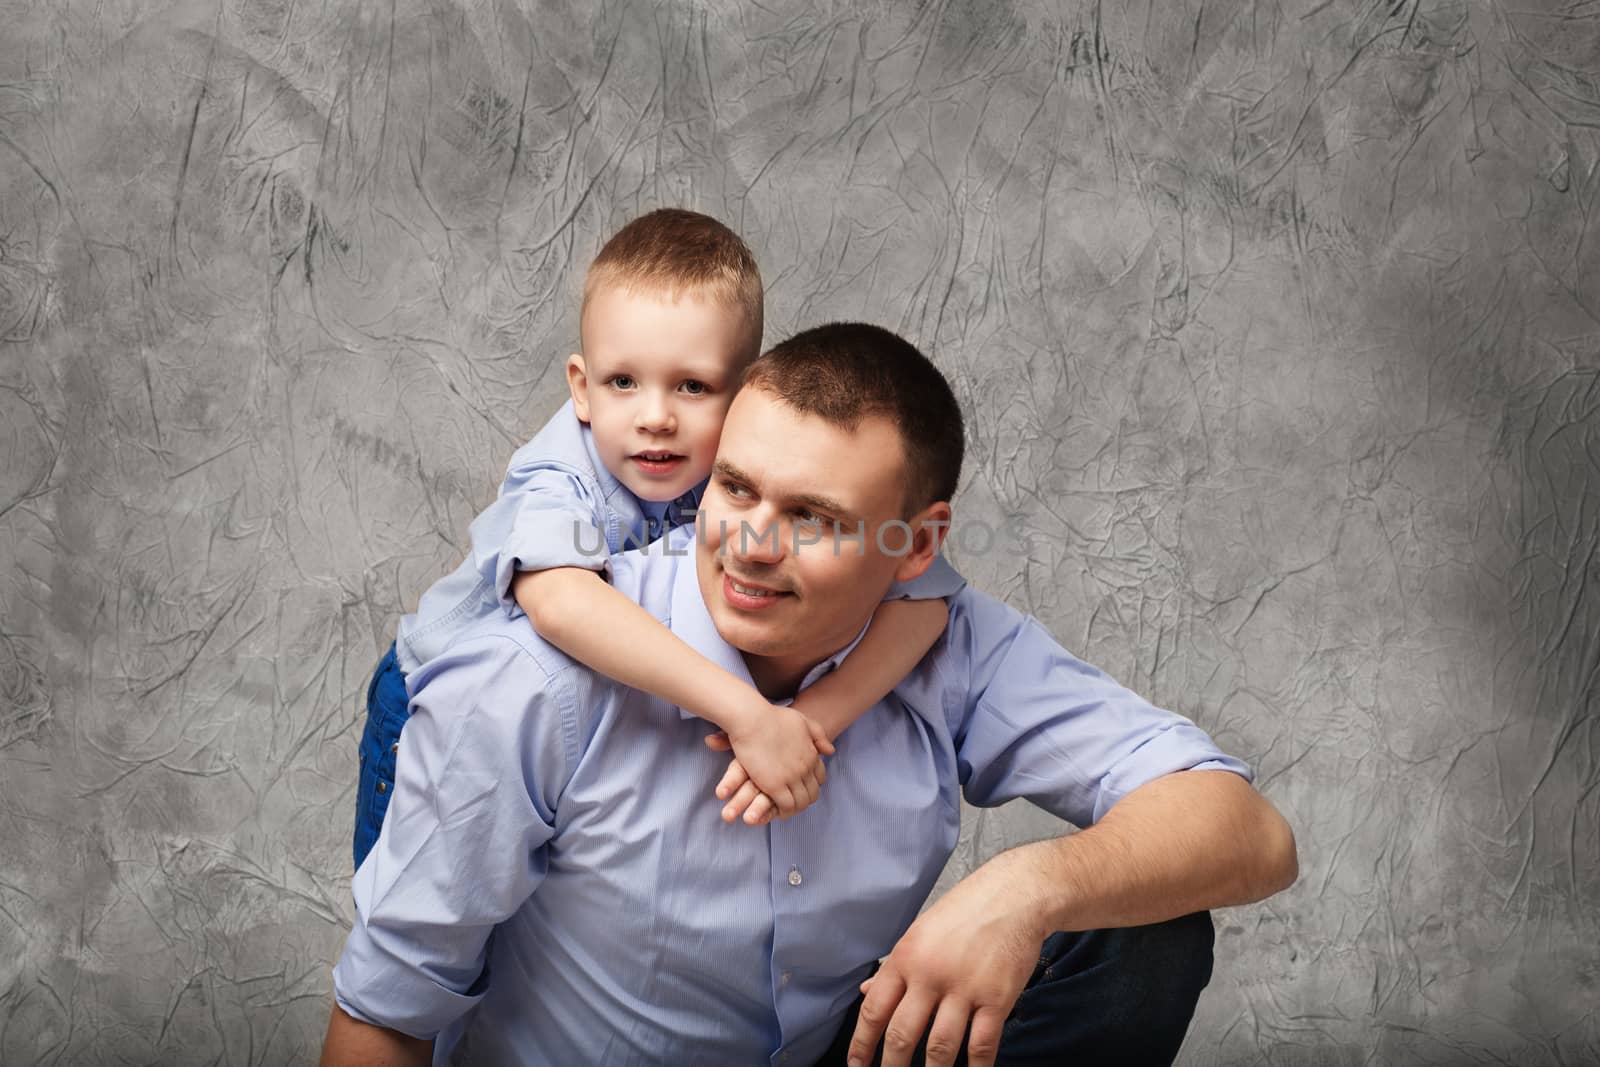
691 621
672 513
609 486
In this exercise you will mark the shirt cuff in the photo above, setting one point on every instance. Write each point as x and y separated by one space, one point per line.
550 539
1181 747
375 987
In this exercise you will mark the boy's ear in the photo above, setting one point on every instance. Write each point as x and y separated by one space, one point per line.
578 385
928 529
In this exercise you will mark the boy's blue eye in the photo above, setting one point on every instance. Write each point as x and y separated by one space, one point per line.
622 381
694 388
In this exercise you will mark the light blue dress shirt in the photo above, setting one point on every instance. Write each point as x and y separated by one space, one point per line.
554 885
560 507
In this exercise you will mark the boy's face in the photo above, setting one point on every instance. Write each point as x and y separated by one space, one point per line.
654 382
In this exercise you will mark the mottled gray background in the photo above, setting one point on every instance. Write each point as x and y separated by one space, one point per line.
1278 326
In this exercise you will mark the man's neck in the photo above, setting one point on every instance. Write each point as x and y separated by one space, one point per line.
778 677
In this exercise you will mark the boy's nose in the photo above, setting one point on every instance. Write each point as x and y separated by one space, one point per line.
656 416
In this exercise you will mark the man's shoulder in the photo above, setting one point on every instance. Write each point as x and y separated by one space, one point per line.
497 644
647 576
976 618
980 633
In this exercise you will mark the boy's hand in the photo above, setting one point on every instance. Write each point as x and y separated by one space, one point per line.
780 751
738 790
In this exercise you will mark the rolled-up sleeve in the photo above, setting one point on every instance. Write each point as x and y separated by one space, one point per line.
1043 725
547 515
481 761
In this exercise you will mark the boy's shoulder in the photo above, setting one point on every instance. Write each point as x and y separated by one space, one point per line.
562 441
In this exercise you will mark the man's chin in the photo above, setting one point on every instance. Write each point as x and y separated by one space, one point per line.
757 637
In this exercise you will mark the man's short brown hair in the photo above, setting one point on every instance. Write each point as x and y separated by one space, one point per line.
848 371
676 252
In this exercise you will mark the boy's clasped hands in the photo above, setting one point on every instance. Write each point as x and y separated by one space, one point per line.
777 768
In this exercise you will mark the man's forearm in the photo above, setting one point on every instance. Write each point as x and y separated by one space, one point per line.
352 1043
1183 843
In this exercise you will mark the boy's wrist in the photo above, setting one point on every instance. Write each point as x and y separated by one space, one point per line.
726 704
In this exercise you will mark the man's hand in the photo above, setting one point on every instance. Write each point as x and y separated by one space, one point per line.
779 753
1185 842
964 960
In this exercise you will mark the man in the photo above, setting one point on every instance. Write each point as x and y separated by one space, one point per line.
553 886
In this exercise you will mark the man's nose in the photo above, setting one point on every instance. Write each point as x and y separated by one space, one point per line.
656 414
759 538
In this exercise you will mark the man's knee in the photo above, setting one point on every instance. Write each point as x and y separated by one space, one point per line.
1131 992
1175 957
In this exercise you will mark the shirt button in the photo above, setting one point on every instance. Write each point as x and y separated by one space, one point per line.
394 748
383 787
783 979
794 876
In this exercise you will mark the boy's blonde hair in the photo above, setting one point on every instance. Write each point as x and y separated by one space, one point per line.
674 252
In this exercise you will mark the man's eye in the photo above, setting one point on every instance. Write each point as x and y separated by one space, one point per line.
734 489
622 381
694 388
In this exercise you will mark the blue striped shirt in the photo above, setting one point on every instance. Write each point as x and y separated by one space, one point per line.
554 885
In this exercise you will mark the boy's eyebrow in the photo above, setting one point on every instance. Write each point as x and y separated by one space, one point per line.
809 500
627 363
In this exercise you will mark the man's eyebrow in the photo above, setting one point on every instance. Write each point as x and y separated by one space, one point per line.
823 503
809 500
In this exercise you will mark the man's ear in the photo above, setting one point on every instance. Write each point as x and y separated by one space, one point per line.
578 385
928 529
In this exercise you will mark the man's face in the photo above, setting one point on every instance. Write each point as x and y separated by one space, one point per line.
784 602
654 382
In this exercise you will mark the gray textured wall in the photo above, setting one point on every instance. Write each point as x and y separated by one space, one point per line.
1278 326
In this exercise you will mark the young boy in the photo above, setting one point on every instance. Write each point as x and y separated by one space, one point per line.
671 316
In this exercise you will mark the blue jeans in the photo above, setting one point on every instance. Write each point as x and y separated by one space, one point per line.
1120 997
387 712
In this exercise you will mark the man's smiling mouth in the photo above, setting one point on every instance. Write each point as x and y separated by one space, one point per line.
750 596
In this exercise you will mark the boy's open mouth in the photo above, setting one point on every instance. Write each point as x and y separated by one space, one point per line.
657 462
